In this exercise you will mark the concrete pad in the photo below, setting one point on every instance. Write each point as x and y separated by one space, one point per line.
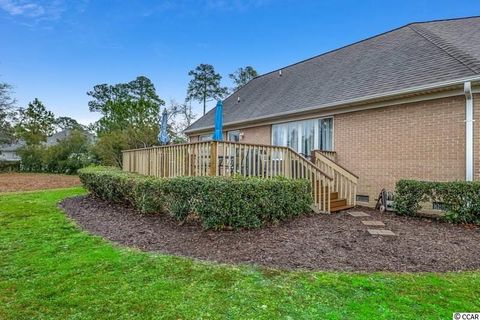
374 223
358 214
381 232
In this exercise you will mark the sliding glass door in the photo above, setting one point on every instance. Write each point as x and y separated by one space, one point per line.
304 136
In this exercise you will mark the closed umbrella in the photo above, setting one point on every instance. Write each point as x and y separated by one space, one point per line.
163 135
217 134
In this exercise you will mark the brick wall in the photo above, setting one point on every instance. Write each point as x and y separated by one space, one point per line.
422 140
259 135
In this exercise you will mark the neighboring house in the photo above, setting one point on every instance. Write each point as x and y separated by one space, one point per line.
62 135
394 106
57 137
8 152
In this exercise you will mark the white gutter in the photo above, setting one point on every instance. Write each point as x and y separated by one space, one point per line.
364 99
468 131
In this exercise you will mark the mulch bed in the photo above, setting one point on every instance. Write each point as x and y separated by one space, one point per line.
35 181
317 242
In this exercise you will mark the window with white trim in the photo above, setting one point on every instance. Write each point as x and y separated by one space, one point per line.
233 136
206 137
304 136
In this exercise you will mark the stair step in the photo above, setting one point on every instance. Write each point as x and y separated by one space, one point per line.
333 195
338 203
337 209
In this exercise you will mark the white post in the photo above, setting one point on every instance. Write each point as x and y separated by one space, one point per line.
468 131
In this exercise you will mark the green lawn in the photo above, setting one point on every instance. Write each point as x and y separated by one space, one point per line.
50 269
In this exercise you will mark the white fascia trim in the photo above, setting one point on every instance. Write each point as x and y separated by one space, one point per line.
468 131
391 94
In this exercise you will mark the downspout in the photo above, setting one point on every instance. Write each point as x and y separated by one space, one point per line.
467 88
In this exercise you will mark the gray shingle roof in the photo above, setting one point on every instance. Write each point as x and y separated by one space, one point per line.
13 146
57 137
413 55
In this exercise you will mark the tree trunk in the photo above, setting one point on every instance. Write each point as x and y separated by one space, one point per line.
204 104
204 98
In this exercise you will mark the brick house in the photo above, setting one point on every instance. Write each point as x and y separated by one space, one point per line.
397 105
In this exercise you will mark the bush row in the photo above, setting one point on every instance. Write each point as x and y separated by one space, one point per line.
460 199
220 202
67 156
8 166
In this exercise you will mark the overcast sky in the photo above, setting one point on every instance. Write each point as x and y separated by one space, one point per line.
58 50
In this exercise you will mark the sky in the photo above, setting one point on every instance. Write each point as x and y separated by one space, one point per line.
58 50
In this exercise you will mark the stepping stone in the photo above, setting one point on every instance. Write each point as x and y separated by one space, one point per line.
381 232
374 223
358 214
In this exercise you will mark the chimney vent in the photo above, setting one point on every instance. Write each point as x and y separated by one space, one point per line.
238 99
280 72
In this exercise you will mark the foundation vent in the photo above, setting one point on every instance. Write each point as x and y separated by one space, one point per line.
363 198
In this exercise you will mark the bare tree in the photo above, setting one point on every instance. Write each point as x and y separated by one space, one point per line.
180 117
7 113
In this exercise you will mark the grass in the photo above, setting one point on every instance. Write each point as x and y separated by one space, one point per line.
51 270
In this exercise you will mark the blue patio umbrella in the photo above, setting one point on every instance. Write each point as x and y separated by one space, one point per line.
217 134
163 135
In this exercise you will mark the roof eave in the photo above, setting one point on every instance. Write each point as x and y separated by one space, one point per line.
362 100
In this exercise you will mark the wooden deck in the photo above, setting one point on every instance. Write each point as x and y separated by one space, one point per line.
332 189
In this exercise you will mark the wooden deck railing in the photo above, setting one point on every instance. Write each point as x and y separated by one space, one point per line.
344 182
332 155
221 158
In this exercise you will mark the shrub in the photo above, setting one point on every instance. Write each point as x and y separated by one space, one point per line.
250 202
408 195
182 195
149 196
461 199
109 148
66 156
110 144
110 183
9 166
69 154
32 158
220 202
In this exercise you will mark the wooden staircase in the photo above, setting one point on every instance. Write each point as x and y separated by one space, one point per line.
343 188
338 204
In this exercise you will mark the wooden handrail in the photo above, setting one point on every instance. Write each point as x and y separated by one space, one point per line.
318 153
344 181
332 155
310 163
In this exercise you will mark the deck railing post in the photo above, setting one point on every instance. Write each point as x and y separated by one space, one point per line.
213 158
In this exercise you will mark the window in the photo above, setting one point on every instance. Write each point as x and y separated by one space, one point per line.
206 137
233 136
304 136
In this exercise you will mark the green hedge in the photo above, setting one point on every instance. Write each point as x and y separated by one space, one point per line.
110 183
9 166
220 202
461 199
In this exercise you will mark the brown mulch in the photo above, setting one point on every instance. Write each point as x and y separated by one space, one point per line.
318 242
35 181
